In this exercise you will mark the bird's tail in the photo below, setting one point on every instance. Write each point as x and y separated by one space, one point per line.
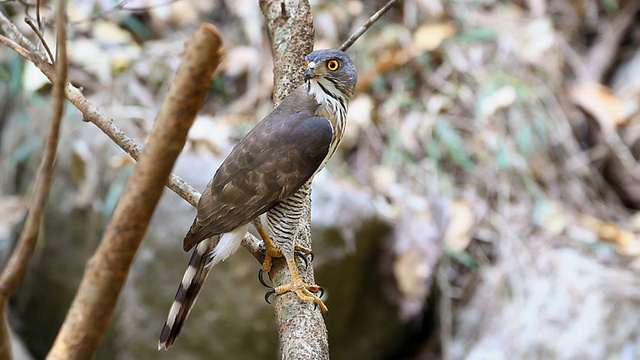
192 281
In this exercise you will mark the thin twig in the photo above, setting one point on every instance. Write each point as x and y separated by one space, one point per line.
40 36
347 44
19 259
19 49
19 37
39 18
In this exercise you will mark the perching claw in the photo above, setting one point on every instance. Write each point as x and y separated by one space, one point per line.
261 279
268 295
302 255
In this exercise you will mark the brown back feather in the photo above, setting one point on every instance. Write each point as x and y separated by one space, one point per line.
268 165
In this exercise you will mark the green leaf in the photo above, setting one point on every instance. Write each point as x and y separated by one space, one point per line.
462 257
453 144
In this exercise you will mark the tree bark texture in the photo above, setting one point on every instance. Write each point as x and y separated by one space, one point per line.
301 327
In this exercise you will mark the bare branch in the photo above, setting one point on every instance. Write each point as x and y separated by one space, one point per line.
19 259
291 32
40 36
347 44
106 272
21 40
39 19
301 327
18 48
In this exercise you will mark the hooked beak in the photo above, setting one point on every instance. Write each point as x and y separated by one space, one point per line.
308 73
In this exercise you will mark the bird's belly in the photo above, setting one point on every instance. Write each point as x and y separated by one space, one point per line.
283 220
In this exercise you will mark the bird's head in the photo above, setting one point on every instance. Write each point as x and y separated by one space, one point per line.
331 71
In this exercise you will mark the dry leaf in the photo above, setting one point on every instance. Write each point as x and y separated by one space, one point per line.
627 243
109 33
92 58
183 13
410 272
120 161
429 37
601 103
123 58
552 217
537 40
417 250
499 99
383 178
458 234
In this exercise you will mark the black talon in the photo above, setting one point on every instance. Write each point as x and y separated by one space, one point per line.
303 256
268 295
311 256
261 279
320 292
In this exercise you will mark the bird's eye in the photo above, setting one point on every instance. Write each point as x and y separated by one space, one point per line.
333 65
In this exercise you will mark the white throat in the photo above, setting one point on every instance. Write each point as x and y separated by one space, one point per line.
324 98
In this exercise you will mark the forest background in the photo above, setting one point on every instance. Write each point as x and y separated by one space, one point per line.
482 205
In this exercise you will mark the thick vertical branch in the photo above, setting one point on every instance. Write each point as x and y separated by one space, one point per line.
301 328
290 27
17 264
107 270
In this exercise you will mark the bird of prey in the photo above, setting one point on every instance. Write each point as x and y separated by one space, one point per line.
269 171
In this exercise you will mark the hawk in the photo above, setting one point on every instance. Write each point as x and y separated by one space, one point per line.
268 172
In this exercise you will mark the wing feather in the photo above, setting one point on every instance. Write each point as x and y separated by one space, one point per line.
268 165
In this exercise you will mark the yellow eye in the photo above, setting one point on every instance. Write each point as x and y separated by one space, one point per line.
333 65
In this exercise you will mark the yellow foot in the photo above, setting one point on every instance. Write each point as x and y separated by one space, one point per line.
304 291
271 251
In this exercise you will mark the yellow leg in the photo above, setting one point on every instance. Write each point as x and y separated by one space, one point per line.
304 291
270 248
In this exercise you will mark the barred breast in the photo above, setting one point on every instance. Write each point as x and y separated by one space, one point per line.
284 219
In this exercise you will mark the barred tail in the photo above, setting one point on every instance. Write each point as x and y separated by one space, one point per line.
192 282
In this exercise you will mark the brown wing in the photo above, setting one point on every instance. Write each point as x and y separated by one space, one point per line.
268 165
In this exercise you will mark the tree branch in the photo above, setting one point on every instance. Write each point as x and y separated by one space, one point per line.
352 39
301 328
17 264
106 272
